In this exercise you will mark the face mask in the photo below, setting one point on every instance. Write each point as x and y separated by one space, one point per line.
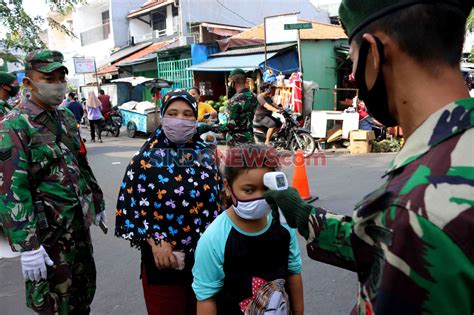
252 209
13 90
50 94
376 99
231 91
179 130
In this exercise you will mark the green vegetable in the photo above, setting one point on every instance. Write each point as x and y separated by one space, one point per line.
222 109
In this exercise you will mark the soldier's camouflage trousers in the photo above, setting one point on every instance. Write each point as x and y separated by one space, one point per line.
71 283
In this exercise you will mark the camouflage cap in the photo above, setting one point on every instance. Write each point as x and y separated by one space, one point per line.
45 61
357 14
237 73
7 78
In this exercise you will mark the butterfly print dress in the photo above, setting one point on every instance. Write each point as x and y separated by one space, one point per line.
168 193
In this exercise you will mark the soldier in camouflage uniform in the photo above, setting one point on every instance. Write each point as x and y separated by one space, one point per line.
49 196
241 110
411 241
8 88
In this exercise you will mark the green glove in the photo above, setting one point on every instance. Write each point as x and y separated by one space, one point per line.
295 210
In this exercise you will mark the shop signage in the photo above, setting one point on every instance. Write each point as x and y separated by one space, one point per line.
84 65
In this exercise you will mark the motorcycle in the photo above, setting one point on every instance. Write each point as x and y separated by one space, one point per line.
112 122
290 136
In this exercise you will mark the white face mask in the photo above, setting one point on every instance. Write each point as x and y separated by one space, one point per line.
254 209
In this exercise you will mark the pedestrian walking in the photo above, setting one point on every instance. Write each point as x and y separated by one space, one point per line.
49 195
75 107
411 240
241 111
94 115
8 88
105 101
169 195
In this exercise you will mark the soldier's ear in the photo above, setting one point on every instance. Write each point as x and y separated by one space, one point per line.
27 84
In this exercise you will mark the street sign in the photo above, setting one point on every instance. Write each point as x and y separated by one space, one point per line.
84 65
298 26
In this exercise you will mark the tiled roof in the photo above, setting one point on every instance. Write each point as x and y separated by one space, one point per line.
319 31
112 69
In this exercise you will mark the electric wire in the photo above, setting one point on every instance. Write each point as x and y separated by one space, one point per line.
229 9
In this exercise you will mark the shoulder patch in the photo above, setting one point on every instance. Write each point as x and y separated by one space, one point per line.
5 154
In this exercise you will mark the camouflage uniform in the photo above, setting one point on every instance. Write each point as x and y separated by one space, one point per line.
4 108
241 110
6 79
412 240
36 166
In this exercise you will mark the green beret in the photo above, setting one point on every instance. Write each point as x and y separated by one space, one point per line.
45 60
357 14
237 72
7 78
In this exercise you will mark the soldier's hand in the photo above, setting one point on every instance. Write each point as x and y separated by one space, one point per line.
295 210
163 255
33 264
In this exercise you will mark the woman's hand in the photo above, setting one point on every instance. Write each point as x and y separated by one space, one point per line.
163 255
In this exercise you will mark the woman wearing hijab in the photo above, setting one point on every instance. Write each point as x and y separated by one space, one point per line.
94 115
169 195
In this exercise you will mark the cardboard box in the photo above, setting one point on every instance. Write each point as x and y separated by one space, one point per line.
361 141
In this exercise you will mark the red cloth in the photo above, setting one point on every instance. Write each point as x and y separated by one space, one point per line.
362 110
168 299
105 101
295 79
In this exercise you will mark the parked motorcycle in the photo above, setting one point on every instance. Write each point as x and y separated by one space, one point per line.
290 136
112 122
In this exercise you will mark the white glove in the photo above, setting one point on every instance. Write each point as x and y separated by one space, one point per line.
99 217
33 264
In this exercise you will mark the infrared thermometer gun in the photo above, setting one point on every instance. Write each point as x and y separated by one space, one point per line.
276 181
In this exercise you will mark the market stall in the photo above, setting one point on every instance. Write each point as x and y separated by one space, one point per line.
143 116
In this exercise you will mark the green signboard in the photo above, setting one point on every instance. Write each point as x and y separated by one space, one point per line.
298 26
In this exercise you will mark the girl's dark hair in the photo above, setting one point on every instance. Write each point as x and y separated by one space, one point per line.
242 158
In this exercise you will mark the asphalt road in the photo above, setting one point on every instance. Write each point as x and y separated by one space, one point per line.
328 290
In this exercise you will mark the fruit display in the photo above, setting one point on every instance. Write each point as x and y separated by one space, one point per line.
219 105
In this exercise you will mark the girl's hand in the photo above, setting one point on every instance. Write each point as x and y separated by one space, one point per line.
163 254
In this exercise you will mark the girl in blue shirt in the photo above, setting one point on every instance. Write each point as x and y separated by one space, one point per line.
246 262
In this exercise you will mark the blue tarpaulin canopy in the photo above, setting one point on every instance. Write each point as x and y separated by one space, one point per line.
286 63
246 63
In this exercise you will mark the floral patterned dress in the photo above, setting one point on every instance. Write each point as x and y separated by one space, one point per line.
168 193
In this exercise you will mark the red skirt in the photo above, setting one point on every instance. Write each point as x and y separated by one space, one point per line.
177 299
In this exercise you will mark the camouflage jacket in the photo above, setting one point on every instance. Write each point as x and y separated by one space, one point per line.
35 166
4 108
412 240
241 110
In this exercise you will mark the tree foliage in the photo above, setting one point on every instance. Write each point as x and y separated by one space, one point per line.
23 30
470 22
